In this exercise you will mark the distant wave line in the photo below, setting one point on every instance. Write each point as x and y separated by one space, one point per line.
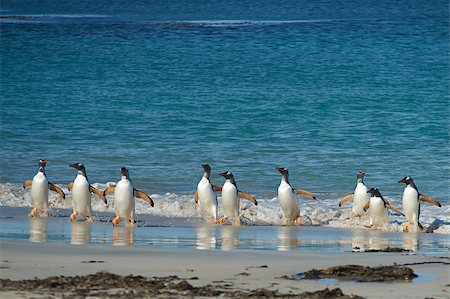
68 16
229 23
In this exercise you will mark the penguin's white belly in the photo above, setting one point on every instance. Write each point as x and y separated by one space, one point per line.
207 198
410 204
39 191
81 196
124 199
288 202
360 198
230 200
378 212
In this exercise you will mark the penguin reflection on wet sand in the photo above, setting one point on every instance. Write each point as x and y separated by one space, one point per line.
411 204
288 199
81 194
39 191
378 208
124 194
230 199
360 196
206 195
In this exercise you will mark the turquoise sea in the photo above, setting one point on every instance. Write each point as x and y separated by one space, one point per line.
323 88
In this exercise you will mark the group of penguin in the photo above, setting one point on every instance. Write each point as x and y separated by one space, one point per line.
124 194
206 196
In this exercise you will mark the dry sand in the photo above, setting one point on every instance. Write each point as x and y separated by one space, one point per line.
245 270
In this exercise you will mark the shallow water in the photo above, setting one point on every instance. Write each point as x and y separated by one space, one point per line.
192 233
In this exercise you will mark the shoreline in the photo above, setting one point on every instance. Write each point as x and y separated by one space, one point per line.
263 269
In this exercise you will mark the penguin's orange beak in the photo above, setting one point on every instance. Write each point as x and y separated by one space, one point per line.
402 181
280 169
74 165
44 162
223 174
362 172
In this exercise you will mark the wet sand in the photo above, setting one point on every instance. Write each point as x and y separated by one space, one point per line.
234 270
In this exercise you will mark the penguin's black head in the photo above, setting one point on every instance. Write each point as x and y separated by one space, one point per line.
282 170
77 166
124 171
374 192
360 175
206 167
406 180
284 173
42 164
227 175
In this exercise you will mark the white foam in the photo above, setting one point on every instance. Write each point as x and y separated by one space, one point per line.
63 16
323 211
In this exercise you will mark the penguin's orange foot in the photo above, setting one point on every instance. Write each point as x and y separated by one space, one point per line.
73 216
369 225
33 212
406 227
222 219
116 220
299 220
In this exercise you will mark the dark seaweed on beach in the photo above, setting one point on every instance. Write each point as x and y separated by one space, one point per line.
107 285
387 249
359 273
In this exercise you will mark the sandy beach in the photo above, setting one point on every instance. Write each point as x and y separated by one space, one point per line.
243 270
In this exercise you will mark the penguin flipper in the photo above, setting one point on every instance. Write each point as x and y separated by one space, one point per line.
109 190
391 207
430 200
27 183
144 196
345 199
217 188
196 197
304 192
248 197
70 186
56 189
98 192
366 206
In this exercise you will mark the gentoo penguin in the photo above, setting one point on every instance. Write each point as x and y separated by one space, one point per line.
411 203
230 198
206 196
124 194
360 196
39 190
81 194
378 206
287 198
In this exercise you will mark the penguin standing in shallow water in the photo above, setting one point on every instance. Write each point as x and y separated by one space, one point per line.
288 199
360 196
81 194
39 190
124 194
411 203
378 208
206 195
230 198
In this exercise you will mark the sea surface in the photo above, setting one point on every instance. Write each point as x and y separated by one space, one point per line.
323 88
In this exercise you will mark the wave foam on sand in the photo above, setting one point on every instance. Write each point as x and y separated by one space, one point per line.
324 211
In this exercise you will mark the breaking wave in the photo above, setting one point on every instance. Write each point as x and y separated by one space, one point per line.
323 212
